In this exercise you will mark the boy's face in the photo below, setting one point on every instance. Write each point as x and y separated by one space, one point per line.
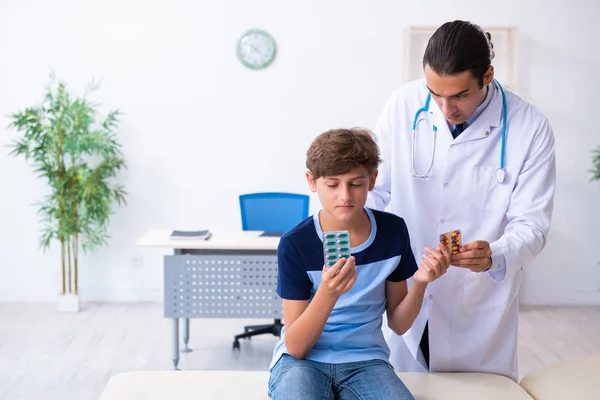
343 197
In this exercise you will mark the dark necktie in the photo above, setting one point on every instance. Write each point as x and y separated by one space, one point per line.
458 130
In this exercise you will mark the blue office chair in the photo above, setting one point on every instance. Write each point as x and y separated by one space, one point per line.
275 213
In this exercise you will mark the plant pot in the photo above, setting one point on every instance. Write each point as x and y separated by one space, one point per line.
68 303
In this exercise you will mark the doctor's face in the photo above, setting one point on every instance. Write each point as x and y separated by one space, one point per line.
459 95
343 197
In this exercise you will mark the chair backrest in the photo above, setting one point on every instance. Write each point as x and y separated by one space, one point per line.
272 211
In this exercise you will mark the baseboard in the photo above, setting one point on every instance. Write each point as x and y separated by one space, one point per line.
123 295
109 295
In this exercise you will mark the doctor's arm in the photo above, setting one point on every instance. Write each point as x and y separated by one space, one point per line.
529 212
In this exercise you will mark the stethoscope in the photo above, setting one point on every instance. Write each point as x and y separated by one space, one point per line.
500 173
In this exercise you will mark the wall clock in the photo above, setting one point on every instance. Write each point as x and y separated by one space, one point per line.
256 49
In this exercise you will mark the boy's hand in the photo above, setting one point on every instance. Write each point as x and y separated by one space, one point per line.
339 278
434 264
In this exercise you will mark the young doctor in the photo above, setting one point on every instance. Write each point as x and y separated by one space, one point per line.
461 152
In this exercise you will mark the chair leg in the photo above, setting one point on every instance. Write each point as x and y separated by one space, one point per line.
266 329
274 329
249 328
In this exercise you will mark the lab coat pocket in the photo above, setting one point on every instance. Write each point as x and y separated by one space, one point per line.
488 193
480 292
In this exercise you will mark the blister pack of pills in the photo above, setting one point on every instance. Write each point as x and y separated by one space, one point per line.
336 244
452 240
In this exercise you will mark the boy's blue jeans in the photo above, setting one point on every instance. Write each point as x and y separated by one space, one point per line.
293 379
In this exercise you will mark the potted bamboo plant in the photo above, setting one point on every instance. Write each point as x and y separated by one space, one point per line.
596 170
76 152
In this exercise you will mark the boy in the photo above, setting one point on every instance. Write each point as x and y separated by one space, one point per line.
332 345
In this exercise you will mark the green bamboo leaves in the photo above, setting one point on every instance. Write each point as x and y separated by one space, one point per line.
77 153
596 170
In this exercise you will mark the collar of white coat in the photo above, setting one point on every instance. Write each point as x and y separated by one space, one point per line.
491 117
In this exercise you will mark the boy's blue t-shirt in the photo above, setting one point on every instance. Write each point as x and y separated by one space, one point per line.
353 330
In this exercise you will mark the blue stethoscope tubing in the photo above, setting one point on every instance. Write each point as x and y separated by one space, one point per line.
500 173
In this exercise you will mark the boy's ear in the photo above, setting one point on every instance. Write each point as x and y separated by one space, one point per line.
372 180
312 183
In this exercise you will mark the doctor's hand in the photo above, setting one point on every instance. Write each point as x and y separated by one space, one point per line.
476 256
434 264
339 278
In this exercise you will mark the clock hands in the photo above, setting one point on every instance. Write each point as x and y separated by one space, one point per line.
256 49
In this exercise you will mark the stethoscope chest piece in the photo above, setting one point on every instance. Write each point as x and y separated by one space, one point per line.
500 175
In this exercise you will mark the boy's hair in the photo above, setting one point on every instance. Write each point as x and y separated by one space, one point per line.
339 151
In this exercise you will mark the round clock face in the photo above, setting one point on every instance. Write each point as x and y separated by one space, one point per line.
256 49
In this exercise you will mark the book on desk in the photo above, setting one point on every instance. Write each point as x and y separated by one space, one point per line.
271 234
191 235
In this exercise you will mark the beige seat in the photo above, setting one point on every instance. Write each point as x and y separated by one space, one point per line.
579 379
252 385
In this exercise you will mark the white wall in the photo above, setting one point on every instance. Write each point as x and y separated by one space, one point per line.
199 128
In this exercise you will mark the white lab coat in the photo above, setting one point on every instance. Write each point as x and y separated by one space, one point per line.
472 317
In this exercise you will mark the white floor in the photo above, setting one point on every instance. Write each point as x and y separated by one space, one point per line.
45 355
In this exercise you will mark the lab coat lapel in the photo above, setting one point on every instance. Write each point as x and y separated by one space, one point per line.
490 118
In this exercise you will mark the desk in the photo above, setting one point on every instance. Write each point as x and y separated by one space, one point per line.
230 275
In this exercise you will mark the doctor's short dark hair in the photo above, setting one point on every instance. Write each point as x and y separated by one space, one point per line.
339 151
459 46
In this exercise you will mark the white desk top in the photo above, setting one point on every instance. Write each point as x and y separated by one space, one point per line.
241 240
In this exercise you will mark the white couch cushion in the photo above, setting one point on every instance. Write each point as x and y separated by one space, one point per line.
578 379
252 385
462 386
